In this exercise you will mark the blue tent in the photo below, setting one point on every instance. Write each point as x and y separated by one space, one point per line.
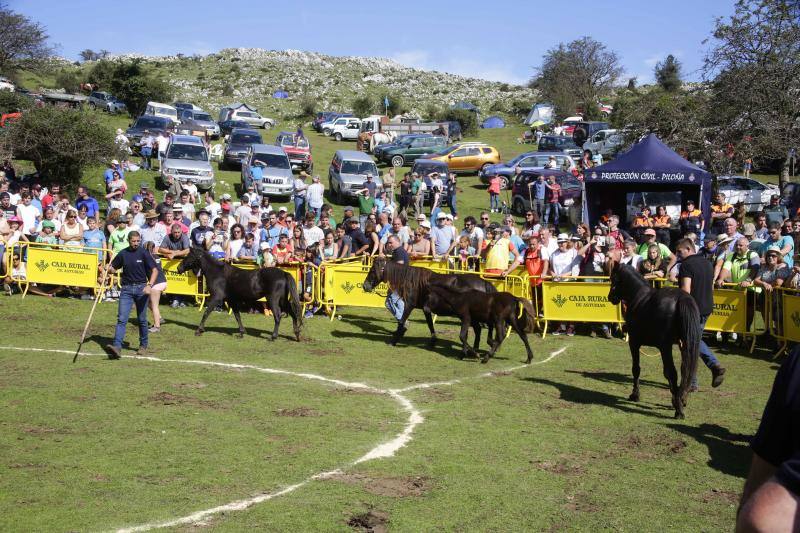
648 166
493 122
464 105
280 94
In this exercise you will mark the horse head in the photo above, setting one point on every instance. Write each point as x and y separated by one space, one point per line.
376 274
191 262
614 293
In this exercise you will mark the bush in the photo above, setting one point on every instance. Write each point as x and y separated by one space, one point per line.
128 81
227 90
308 106
467 119
59 142
13 102
68 81
363 106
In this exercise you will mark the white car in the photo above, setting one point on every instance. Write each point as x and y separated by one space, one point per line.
605 142
346 128
753 193
6 85
253 118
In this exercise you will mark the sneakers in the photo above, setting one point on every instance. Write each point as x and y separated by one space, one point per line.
560 331
733 337
182 304
717 375
174 304
309 314
154 329
571 331
719 336
144 350
606 332
113 352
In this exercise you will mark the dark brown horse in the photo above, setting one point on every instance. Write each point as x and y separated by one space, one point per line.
474 308
412 284
660 318
241 289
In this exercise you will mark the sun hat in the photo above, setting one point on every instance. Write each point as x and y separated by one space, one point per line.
425 224
533 234
450 217
177 207
562 237
421 217
119 131
441 216
114 162
264 245
253 220
48 224
282 209
724 238
749 229
650 231
14 218
151 214
575 237
773 250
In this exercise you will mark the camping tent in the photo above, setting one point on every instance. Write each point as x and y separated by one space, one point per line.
464 105
493 122
542 113
280 94
649 167
226 111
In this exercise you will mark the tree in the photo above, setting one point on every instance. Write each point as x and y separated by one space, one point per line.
308 106
575 74
467 119
131 83
363 106
22 41
668 73
60 142
754 70
89 55
68 80
396 106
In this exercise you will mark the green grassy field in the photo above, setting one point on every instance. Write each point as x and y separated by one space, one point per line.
551 446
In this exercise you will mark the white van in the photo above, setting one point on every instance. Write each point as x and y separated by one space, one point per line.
162 110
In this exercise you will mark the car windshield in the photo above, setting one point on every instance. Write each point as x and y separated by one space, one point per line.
359 167
203 116
191 152
167 111
245 138
426 168
444 151
149 123
272 160
565 143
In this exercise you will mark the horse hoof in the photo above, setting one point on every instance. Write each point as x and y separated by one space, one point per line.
679 416
198 332
239 335
528 361
484 360
273 337
634 397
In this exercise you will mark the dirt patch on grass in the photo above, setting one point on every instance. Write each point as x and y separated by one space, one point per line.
352 390
648 446
719 495
560 467
373 521
190 385
298 411
168 398
323 351
41 430
394 487
580 503
27 465
436 395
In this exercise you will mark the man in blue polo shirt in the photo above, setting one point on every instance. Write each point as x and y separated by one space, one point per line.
139 273
92 207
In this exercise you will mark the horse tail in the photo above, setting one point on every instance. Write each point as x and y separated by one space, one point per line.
294 298
530 314
690 334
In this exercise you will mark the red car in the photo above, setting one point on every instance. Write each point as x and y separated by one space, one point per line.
297 148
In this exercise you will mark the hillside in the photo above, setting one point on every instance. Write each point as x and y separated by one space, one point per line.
251 75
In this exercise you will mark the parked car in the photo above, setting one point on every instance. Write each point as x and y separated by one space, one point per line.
586 129
6 85
411 149
162 110
605 142
753 193
253 118
345 128
106 101
467 157
277 177
153 124
297 148
226 126
426 167
347 173
379 149
326 126
187 159
198 117
326 116
180 106
672 200
560 143
236 146
568 126
521 194
528 160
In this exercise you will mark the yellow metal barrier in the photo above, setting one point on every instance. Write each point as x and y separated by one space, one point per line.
783 316
186 284
55 264
578 301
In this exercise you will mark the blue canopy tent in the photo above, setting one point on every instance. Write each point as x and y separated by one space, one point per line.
493 122
649 166
280 94
464 105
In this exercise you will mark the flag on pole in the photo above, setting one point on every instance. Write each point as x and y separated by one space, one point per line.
386 102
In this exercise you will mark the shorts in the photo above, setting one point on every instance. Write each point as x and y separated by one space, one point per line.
160 287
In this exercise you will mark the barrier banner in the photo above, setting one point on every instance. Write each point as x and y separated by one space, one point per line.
184 284
578 302
343 284
730 312
60 267
791 317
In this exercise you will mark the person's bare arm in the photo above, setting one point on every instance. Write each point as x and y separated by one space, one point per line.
686 285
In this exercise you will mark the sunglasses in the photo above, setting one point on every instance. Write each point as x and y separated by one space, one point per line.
484 218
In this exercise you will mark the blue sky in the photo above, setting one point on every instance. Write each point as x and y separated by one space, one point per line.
494 39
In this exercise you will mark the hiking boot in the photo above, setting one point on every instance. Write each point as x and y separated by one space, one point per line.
717 375
113 352
145 350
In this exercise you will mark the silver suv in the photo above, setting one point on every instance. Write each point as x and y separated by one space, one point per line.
348 172
276 170
201 119
106 102
187 159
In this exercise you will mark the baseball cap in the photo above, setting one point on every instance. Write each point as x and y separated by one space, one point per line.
225 196
421 216
264 245
441 216
264 216
123 218
749 229
449 216
48 224
650 231
137 198
114 162
425 224
773 250
4 195
349 208
574 237
533 234
282 209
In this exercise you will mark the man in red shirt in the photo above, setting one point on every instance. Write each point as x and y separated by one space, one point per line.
553 201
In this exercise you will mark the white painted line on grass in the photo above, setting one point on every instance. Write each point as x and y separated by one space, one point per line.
381 451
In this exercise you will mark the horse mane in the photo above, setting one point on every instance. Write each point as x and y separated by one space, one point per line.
406 280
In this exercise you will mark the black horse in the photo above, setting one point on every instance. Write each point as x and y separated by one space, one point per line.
412 284
660 318
241 289
496 309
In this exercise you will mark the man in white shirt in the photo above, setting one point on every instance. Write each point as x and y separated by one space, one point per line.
311 233
473 233
548 242
29 214
242 212
163 141
299 196
212 206
315 196
116 201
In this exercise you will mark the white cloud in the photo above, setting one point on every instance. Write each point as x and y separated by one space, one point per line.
453 64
